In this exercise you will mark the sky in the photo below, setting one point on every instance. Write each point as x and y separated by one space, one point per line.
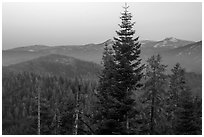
53 24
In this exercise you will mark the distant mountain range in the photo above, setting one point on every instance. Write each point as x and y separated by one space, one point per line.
58 65
173 50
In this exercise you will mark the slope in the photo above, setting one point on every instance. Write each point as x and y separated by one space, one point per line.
58 65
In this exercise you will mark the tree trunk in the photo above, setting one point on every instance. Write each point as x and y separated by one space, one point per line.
127 124
153 102
77 112
38 111
152 116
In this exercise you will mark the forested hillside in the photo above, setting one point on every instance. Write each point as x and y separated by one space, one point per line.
58 105
20 95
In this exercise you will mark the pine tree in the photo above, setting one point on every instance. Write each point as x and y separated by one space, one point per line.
121 75
155 94
181 107
177 83
105 103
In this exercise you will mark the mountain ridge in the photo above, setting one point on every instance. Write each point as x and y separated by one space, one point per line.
93 52
59 65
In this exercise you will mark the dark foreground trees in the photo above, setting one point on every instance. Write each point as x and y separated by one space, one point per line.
176 112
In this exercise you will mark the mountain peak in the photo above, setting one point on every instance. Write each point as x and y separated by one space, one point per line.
172 39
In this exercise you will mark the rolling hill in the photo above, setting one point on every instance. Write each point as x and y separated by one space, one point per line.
58 65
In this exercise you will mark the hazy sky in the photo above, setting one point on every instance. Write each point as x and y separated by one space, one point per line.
50 24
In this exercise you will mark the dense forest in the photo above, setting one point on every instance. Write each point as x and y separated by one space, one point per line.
129 98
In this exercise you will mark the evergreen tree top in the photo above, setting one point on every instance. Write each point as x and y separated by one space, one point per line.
126 7
126 24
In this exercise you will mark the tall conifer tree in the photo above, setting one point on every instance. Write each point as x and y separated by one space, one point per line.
105 104
124 77
155 94
177 84
128 69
